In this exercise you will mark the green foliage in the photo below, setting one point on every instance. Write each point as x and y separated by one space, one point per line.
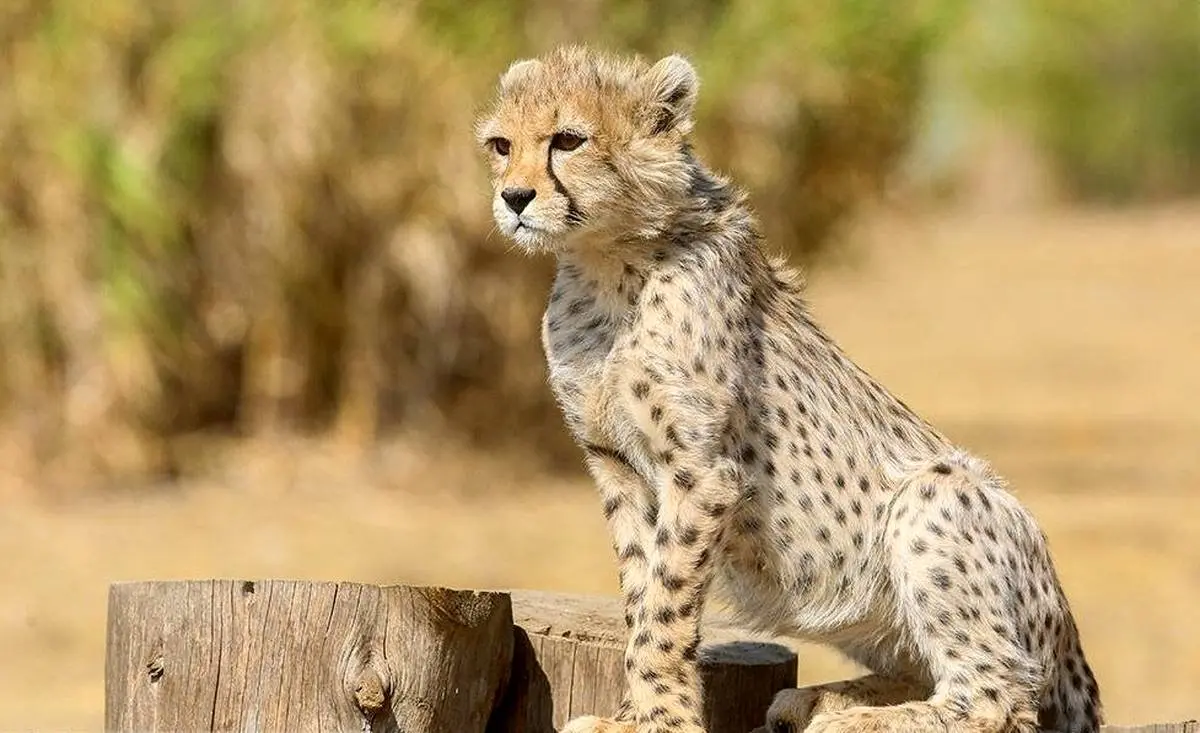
1111 90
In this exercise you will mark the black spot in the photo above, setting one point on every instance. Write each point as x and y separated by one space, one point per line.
630 552
715 509
640 389
670 582
943 469
650 515
748 454
690 651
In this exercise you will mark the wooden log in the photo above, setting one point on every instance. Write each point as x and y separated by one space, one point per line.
1190 726
888 695
569 661
282 655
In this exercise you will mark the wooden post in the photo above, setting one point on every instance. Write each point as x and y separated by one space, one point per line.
279 655
570 661
282 655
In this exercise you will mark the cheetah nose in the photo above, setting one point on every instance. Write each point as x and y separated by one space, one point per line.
517 198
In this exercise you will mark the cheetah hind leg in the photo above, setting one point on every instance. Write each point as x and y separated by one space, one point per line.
942 538
792 710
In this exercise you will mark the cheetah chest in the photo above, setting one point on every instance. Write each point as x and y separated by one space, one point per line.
580 343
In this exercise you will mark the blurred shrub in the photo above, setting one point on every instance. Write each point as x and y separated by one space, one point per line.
270 215
1110 89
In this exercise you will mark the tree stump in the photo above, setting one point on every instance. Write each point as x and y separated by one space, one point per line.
280 655
570 661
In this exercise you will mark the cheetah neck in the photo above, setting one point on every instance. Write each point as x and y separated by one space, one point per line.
710 212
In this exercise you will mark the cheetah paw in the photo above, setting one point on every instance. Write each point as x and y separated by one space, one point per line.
865 720
593 724
790 711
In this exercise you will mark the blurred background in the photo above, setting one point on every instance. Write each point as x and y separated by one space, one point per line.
254 321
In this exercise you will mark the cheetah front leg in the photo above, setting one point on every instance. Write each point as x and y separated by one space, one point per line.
665 568
631 510
661 661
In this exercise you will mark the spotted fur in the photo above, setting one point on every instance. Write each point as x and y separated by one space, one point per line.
736 447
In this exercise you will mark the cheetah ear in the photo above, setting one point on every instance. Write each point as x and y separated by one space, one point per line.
518 72
672 85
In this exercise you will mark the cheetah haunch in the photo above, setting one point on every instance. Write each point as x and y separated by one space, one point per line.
734 445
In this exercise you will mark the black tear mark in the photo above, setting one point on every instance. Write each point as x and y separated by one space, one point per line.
574 215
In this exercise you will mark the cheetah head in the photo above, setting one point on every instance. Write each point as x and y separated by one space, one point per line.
586 147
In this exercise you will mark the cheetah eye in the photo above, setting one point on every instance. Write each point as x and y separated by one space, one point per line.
566 141
500 145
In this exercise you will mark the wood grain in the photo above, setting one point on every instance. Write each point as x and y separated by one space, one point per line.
278 655
578 642
220 655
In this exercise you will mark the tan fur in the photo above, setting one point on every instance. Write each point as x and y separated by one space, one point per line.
735 446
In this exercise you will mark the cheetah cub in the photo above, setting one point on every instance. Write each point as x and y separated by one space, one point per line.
735 446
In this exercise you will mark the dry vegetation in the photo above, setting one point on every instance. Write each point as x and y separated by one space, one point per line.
251 218
1064 347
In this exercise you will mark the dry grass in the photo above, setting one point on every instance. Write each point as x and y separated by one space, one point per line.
1064 347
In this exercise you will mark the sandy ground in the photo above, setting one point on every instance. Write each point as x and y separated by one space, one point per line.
1063 347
